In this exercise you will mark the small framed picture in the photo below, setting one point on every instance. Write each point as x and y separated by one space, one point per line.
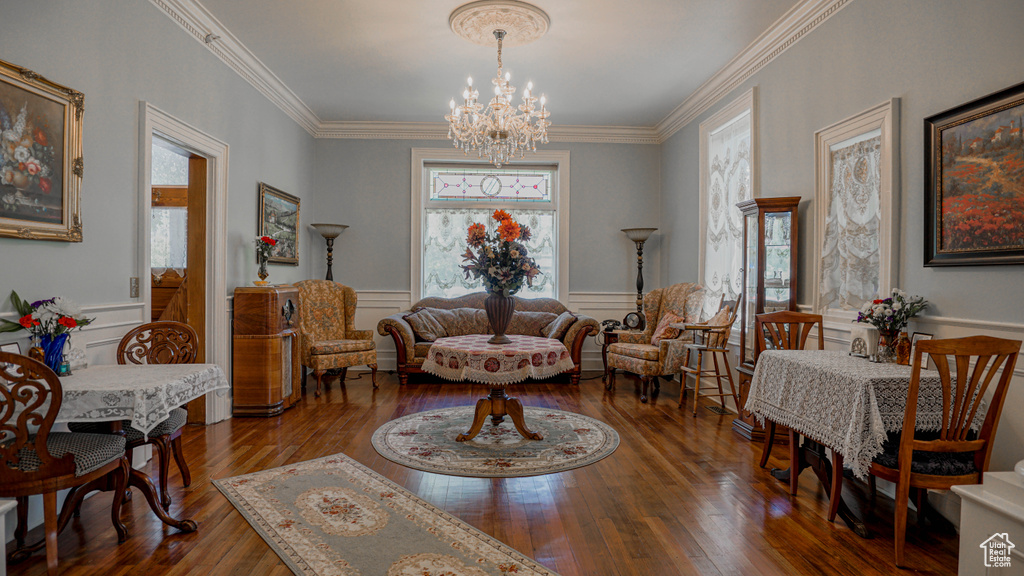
279 219
918 336
11 348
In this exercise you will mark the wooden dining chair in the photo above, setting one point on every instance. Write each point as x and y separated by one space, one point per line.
157 343
959 452
37 461
711 338
787 330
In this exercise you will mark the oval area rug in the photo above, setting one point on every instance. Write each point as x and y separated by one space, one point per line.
426 441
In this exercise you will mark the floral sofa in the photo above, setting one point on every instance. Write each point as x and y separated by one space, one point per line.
468 317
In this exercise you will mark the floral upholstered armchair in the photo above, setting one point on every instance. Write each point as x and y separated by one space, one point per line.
329 339
660 350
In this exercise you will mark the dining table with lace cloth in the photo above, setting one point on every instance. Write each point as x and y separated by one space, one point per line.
144 395
846 403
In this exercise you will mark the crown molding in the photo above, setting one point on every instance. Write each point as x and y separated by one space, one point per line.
195 19
439 131
784 33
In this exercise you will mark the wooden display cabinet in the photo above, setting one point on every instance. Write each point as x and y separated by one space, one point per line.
266 363
770 227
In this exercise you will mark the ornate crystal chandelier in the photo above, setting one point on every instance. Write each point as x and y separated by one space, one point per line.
500 130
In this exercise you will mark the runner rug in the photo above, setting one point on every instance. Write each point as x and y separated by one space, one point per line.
426 441
333 516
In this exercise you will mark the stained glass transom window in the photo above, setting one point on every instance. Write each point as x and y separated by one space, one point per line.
478 185
460 196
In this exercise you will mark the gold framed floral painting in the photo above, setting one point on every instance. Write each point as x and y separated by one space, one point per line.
40 157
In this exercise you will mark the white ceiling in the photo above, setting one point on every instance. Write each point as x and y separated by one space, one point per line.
603 62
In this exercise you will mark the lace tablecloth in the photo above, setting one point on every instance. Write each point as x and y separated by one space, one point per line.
843 402
472 358
143 394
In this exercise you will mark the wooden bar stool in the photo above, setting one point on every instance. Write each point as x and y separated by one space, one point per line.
711 338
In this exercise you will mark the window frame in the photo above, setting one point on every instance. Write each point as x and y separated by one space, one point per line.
721 119
424 158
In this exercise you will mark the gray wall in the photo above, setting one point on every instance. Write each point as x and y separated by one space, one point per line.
366 184
933 55
117 54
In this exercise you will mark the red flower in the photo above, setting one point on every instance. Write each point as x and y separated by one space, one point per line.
501 215
67 322
45 185
268 240
40 137
27 321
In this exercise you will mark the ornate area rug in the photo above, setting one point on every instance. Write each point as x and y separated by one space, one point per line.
333 516
426 441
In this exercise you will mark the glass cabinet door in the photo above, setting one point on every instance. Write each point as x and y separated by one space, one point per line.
750 276
777 251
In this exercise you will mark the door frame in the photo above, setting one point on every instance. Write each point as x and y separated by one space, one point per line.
156 122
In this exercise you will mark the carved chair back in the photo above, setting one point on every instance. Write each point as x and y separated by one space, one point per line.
963 389
785 330
159 343
30 398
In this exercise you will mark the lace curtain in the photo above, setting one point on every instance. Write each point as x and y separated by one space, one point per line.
850 254
444 243
728 182
168 238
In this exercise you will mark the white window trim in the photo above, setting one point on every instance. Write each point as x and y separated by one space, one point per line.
747 101
885 118
423 156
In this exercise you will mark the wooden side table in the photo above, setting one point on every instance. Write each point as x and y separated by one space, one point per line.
610 337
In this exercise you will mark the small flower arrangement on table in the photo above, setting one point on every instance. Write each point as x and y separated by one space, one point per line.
48 321
501 260
891 315
264 246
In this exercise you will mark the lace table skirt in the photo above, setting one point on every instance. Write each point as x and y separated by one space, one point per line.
143 394
472 358
843 402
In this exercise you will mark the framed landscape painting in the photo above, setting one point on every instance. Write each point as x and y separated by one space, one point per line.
40 157
279 219
974 182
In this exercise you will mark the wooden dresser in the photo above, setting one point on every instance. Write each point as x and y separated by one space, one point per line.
266 364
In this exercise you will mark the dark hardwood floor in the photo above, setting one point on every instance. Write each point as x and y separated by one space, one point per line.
681 495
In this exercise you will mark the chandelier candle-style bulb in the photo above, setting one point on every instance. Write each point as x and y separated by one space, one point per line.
499 130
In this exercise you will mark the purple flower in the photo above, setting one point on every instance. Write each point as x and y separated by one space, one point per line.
39 303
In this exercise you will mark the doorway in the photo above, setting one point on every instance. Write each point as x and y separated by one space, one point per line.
178 246
182 251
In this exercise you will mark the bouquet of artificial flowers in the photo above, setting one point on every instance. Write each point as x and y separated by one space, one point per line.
501 259
51 317
892 313
264 244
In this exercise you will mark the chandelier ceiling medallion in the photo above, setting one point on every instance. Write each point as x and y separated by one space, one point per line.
499 130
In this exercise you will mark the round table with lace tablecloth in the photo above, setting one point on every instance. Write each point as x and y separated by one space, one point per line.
472 358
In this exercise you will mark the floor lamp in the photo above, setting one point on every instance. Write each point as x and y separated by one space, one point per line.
329 232
639 236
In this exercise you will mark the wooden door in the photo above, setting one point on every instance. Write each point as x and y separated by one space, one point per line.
195 279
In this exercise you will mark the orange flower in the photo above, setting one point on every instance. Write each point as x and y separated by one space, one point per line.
501 215
508 230
477 234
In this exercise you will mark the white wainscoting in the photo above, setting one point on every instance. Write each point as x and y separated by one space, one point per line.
375 305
